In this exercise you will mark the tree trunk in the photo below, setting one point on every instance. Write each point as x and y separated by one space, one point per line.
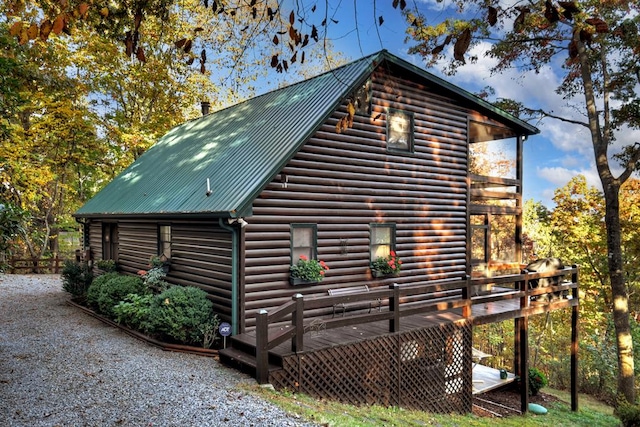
611 188
620 297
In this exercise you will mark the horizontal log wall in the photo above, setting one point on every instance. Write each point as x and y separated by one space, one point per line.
95 238
344 181
200 255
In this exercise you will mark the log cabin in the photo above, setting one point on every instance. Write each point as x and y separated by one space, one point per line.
372 159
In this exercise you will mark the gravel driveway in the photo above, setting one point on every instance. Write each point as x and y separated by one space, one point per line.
61 367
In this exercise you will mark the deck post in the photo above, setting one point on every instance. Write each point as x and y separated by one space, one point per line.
524 363
394 307
523 344
298 324
466 296
262 353
574 342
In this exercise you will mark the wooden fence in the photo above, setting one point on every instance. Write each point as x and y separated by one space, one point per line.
52 265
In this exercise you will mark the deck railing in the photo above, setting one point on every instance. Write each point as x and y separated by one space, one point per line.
402 301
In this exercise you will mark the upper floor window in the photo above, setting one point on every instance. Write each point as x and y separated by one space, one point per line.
304 240
164 241
399 130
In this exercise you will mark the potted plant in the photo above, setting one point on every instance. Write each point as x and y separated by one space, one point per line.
307 271
160 261
386 266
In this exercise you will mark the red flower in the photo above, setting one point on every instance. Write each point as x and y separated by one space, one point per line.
303 257
324 265
392 253
142 273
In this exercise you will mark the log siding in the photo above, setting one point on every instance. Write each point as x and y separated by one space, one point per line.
201 255
345 181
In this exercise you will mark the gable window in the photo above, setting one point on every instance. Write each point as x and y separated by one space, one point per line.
399 130
164 241
382 240
304 240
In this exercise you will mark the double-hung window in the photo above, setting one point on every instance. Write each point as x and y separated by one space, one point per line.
382 240
304 241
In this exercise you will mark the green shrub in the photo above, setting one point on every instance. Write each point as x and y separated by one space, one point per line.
628 413
133 311
180 314
107 265
537 380
115 290
76 278
99 282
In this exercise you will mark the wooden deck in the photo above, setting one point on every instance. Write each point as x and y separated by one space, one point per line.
317 336
303 344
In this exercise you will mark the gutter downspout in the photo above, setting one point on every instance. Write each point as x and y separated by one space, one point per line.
234 274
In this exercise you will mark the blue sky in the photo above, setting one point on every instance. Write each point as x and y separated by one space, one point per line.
551 158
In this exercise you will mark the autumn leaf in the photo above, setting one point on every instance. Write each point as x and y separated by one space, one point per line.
292 18
601 26
187 46
551 12
83 8
276 40
493 16
180 43
45 29
569 9
23 37
58 24
380 20
274 61
104 12
32 31
462 44
15 29
436 50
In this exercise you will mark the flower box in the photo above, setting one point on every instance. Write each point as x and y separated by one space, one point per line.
378 273
295 281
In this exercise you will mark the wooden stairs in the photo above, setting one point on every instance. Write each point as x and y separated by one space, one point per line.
240 354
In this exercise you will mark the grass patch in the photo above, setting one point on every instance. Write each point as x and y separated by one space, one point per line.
330 413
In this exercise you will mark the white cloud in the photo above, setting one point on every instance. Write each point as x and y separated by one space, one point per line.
560 176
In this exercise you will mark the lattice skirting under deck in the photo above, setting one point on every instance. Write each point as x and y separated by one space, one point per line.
427 369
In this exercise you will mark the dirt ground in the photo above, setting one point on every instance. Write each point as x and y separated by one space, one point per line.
505 402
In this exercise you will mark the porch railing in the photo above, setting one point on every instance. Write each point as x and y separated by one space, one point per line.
402 301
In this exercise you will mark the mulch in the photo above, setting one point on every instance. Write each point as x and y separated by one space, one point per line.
506 402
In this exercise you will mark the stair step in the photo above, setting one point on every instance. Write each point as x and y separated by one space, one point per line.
231 356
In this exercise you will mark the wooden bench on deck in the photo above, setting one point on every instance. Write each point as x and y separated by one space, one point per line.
355 304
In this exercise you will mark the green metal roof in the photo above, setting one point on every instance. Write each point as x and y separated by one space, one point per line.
241 148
